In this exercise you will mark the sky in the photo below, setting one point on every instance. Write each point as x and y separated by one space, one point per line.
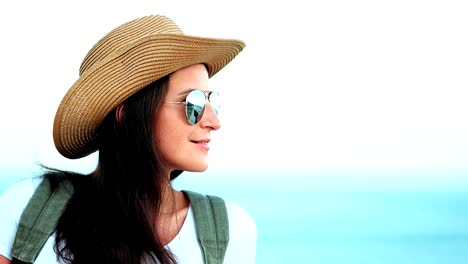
321 85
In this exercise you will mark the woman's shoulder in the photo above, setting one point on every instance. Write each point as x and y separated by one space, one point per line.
12 203
239 217
19 193
242 235
15 198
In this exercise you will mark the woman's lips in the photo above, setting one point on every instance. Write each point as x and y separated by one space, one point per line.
202 143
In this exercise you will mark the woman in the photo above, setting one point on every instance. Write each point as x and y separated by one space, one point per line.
143 100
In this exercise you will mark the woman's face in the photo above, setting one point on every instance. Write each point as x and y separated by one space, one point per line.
184 146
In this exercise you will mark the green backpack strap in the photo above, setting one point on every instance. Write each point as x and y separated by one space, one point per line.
39 220
212 224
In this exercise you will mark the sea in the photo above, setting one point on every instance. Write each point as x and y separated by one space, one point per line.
331 217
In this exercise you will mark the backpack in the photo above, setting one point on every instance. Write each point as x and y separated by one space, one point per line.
39 219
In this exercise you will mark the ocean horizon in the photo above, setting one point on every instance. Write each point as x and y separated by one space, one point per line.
346 217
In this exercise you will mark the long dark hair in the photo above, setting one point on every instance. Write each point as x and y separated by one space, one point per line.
112 215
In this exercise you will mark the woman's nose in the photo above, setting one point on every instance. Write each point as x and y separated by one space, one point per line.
210 118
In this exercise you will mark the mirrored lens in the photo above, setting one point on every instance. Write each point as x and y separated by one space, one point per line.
195 104
215 101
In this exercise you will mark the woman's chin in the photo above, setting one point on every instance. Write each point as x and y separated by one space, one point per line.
198 167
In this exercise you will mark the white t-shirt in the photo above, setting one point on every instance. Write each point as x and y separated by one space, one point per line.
242 230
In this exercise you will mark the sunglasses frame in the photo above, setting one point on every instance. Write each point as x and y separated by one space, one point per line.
207 99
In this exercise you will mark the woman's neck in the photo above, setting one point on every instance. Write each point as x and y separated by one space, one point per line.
172 213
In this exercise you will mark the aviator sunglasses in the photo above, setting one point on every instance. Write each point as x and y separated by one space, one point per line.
195 104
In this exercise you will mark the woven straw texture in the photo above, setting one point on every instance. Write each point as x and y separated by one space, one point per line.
124 61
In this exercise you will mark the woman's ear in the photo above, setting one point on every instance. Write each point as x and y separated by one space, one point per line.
119 113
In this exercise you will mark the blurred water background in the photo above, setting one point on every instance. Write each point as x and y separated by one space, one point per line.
345 217
351 217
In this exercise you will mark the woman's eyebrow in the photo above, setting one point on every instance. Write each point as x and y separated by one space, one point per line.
186 91
192 89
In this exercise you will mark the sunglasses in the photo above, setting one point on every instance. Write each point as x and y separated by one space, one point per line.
195 104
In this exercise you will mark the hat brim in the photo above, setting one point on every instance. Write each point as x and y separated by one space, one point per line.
111 81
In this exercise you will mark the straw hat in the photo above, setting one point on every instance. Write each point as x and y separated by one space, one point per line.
123 62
